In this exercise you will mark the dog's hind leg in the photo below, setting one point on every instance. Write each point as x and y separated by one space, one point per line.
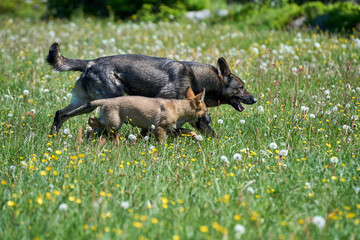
70 111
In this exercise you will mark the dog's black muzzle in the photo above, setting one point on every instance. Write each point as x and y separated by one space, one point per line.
204 120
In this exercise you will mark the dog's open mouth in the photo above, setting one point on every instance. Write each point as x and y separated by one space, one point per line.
235 102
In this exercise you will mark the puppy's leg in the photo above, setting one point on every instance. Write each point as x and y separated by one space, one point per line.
160 133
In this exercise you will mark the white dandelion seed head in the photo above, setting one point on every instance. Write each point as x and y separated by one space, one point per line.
304 108
132 137
283 152
70 136
239 229
250 190
89 129
10 115
334 160
66 131
319 221
69 95
199 138
152 126
125 205
327 92
273 145
12 168
308 185
224 159
237 157
46 90
220 121
242 121
6 96
63 207
312 115
260 109
347 105
151 147
26 92
346 127
146 138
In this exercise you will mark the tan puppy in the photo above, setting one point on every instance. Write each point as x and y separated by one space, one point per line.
146 113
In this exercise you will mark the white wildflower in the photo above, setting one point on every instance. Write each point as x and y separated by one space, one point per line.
317 45
224 159
334 160
132 137
26 92
327 92
304 108
220 121
239 229
237 156
63 207
312 115
66 131
250 190
260 109
242 121
283 152
319 221
146 138
273 145
125 205
199 138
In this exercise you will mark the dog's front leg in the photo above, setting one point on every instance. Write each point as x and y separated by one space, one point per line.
204 128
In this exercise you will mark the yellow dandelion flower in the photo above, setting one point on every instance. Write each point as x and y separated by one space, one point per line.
10 203
137 224
3 182
85 226
350 215
71 198
176 237
39 200
58 152
154 220
43 173
237 217
204 229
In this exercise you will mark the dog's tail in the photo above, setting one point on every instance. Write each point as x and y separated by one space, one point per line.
61 63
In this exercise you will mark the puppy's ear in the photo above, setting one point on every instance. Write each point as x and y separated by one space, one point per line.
224 70
189 93
201 96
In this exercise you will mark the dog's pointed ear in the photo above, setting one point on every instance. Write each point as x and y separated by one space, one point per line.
223 67
189 93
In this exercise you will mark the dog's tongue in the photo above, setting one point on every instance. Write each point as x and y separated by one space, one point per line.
240 108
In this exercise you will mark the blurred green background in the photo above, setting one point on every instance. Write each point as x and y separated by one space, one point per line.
279 14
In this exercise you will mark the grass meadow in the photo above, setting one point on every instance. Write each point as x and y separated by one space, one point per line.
287 167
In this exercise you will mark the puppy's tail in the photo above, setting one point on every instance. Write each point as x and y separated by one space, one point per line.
60 63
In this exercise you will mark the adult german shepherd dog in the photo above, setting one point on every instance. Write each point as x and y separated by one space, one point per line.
114 76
